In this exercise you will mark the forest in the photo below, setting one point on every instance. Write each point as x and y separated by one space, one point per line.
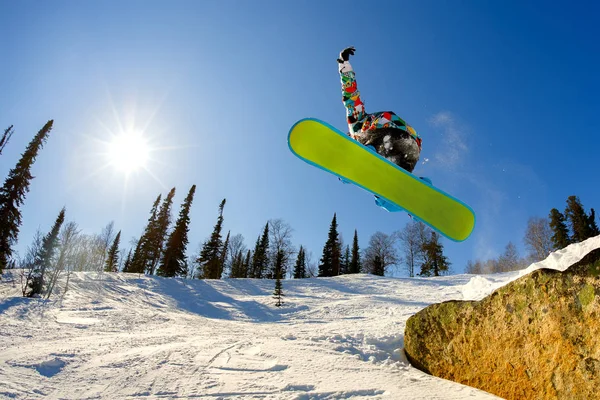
162 247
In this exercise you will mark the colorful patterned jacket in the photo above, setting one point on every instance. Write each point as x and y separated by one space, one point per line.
358 119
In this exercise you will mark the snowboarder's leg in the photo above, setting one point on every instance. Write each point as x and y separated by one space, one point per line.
398 147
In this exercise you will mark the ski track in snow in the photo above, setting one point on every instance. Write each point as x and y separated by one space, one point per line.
129 336
114 336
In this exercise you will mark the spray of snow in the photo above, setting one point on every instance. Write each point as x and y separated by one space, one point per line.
454 145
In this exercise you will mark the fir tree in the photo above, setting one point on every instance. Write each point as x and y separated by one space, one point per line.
355 264
5 137
173 262
246 265
300 266
278 294
252 273
210 255
378 267
560 238
578 219
260 257
127 264
12 195
158 234
140 255
594 231
45 256
224 252
330 260
435 262
237 265
345 261
112 261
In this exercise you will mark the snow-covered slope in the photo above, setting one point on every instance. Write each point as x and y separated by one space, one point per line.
480 286
128 336
114 336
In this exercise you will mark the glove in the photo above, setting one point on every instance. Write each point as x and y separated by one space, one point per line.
345 54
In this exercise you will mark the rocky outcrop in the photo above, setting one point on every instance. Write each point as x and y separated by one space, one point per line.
538 337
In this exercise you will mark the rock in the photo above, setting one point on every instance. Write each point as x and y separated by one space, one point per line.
538 337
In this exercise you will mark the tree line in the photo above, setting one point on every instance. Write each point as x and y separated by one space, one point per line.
161 248
542 237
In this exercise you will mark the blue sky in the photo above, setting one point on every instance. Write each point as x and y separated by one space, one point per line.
504 95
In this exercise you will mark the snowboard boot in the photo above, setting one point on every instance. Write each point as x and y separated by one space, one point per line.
386 205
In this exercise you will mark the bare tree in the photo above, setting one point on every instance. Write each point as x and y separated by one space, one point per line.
30 260
280 246
474 267
64 261
509 260
538 238
236 245
104 240
83 258
235 260
381 253
412 238
312 268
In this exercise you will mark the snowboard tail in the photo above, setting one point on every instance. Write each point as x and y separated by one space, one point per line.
325 147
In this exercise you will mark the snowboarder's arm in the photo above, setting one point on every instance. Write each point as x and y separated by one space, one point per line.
355 110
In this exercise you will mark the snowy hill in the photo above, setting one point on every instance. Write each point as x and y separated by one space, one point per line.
123 336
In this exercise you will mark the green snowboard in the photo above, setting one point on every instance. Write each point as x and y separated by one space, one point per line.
325 147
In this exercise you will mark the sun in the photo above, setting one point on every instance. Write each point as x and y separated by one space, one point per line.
128 152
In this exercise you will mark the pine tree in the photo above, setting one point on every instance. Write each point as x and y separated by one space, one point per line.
140 256
127 264
300 266
278 269
355 264
112 261
260 256
158 234
378 267
330 260
224 252
345 261
246 267
5 138
278 294
435 262
237 265
45 256
560 238
210 255
578 219
12 195
594 231
173 262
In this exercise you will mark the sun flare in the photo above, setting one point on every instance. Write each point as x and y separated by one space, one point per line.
128 152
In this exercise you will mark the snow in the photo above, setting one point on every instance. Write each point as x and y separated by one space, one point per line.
127 336
480 286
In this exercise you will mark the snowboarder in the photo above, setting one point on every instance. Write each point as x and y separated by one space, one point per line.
388 134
